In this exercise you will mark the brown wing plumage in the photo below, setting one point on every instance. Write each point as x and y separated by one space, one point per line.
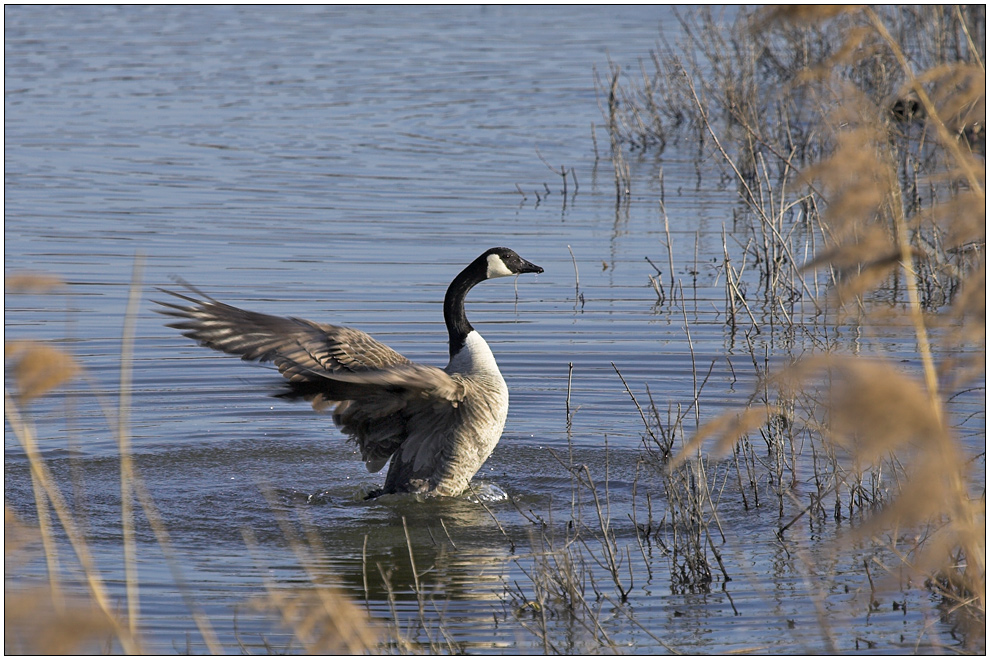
263 337
375 389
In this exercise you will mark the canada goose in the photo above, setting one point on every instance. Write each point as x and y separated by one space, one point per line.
437 425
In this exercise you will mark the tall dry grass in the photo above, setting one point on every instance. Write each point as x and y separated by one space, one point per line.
59 617
855 139
41 619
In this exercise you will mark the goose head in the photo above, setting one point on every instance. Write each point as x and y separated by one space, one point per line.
503 262
492 263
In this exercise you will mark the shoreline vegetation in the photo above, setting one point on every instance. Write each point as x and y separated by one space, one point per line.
870 151
860 179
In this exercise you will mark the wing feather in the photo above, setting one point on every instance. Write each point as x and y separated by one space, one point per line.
375 390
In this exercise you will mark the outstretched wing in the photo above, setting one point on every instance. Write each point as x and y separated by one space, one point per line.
375 389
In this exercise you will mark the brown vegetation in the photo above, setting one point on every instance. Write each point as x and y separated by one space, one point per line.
44 620
867 157
871 152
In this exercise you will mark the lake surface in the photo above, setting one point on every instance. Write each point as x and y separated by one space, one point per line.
342 165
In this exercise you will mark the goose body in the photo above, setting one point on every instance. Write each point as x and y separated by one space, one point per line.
437 426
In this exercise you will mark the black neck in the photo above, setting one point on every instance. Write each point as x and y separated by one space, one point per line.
458 327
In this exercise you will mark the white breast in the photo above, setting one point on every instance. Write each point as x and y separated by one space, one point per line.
474 358
486 403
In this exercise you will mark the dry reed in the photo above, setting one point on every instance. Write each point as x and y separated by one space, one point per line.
871 155
44 620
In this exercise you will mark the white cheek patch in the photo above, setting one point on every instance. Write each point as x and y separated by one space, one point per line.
497 267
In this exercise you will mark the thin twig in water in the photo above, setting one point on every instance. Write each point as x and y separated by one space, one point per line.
452 544
364 573
512 545
577 280
657 282
646 424
412 564
670 244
